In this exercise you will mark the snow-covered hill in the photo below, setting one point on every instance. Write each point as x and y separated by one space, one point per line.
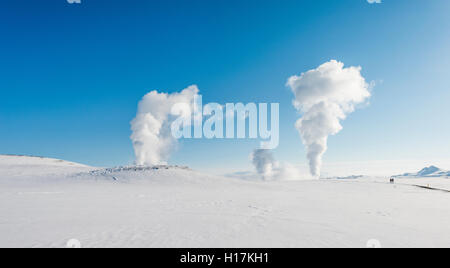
24 166
160 174
48 202
428 172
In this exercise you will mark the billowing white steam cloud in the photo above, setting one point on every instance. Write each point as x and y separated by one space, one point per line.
264 162
269 169
325 96
152 137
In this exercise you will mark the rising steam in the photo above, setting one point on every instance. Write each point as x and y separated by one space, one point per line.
325 96
269 169
264 162
152 138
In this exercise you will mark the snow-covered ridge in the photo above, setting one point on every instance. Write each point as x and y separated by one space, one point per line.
48 170
428 172
35 160
127 173
136 169
23 166
159 174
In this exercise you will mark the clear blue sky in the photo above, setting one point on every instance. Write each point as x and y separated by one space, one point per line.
71 75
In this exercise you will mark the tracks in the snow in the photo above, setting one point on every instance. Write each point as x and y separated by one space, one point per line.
431 188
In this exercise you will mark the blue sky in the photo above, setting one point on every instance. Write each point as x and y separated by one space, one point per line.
71 75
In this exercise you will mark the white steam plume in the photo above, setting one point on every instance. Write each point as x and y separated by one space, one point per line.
325 96
269 169
152 137
264 162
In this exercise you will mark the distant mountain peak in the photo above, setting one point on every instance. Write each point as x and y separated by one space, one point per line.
428 171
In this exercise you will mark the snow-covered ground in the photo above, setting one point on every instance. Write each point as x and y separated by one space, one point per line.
47 202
